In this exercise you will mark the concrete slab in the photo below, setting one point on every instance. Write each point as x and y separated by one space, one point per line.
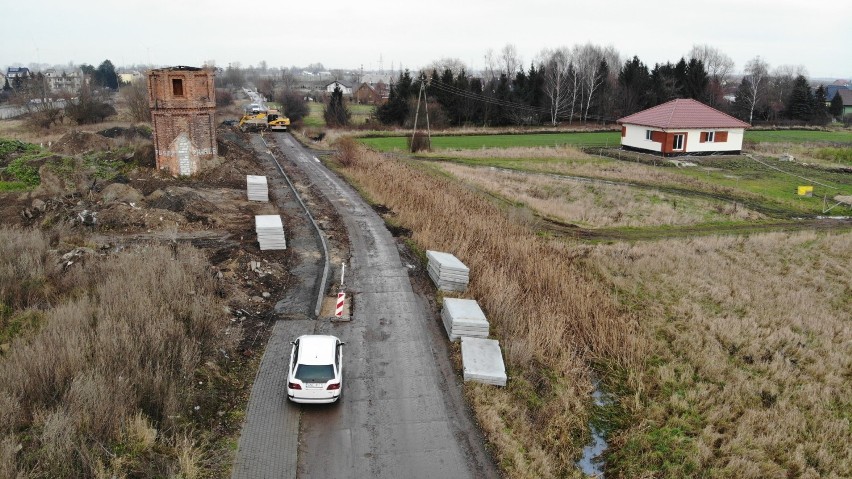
483 361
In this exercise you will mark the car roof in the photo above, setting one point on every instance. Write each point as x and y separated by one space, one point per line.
317 349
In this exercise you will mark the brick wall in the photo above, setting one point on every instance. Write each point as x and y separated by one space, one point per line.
183 106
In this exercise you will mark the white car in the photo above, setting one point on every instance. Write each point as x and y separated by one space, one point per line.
316 369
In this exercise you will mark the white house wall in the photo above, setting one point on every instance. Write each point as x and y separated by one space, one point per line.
635 137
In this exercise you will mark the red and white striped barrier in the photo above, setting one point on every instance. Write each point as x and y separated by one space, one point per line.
341 300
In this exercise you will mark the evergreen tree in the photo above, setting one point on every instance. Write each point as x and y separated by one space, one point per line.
664 83
741 105
820 111
336 112
105 75
395 110
6 86
801 101
695 80
836 108
634 87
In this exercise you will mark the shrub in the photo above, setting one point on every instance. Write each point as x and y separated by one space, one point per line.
111 365
294 105
419 142
347 152
224 97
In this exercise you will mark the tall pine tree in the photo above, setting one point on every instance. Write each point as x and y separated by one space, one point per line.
800 103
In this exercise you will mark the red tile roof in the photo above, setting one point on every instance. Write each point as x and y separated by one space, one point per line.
683 113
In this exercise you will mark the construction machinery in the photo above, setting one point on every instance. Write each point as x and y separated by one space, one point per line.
264 120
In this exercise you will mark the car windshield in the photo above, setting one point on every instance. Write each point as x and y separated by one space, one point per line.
315 373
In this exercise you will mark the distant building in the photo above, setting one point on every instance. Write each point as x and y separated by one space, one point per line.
682 127
62 81
16 75
371 95
183 107
346 89
129 77
846 96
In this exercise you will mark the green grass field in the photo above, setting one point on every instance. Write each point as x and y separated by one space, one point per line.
605 139
360 114
799 136
467 142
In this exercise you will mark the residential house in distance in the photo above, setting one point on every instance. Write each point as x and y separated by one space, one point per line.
682 127
126 78
367 94
16 75
63 82
846 96
346 89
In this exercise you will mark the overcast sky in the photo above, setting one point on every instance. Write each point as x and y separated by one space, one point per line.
352 34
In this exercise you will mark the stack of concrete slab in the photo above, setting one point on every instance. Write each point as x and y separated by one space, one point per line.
464 318
257 188
483 361
270 232
447 272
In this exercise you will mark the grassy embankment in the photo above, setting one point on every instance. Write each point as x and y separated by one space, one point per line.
99 377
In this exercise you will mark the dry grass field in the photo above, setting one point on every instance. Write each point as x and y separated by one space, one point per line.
727 356
749 376
596 204
97 376
552 318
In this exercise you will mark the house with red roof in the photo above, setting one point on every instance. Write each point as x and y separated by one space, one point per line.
682 127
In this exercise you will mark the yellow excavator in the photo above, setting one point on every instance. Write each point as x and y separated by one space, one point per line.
264 120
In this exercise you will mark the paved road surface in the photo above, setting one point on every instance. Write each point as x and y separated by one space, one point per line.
402 414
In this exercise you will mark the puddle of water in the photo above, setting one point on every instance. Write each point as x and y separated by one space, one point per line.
591 463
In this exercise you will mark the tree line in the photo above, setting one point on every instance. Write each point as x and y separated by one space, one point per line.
591 84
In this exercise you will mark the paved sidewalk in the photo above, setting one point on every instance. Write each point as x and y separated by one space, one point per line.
269 439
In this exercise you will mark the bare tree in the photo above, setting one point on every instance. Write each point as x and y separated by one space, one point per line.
453 64
559 82
136 96
780 85
509 60
718 66
589 59
757 73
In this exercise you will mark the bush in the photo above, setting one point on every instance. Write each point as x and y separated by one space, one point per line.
419 142
347 152
294 105
112 364
224 97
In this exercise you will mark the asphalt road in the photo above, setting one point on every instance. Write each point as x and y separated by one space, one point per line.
402 413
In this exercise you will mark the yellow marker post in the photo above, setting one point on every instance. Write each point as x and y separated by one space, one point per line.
806 191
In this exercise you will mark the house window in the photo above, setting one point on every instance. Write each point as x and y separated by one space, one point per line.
177 86
677 142
648 135
710 136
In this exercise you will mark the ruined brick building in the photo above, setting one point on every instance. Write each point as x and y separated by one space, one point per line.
183 106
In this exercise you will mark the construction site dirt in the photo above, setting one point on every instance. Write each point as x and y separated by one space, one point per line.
92 204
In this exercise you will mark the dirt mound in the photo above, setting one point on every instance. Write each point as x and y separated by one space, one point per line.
126 218
121 193
130 133
77 142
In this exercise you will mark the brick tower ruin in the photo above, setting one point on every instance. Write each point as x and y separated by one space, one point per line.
183 106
